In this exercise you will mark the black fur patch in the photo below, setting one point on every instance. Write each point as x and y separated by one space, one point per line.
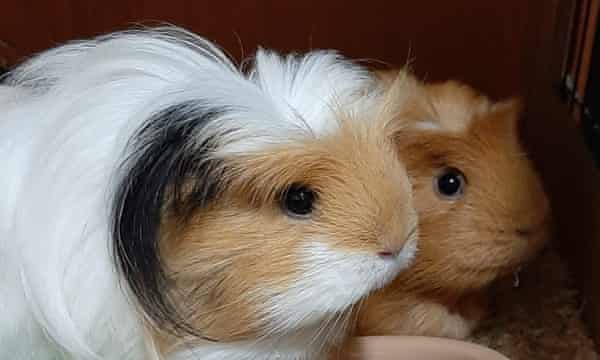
3 74
167 163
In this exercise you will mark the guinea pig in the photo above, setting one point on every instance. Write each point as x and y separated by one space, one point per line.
160 202
482 208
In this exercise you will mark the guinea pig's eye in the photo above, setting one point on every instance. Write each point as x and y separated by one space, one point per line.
449 184
298 200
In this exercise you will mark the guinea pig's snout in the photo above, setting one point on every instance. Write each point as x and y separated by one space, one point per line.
523 231
534 227
389 254
393 246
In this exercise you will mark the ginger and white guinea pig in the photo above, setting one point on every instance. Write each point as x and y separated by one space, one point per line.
482 209
159 202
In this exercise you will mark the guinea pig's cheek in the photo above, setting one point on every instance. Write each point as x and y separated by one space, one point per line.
331 280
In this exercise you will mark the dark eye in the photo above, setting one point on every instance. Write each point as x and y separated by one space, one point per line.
450 184
298 201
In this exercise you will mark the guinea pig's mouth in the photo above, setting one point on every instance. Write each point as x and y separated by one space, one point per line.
394 264
495 271
335 279
523 250
507 269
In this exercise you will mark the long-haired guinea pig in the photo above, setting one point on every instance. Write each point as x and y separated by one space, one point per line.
482 209
159 202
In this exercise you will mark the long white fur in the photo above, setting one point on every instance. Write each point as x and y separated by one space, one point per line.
65 121
333 280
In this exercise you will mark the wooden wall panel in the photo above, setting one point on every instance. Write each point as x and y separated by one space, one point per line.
482 42
557 147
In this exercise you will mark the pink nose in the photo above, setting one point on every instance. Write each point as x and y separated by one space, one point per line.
388 254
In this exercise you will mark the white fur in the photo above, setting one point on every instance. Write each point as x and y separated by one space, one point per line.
63 132
427 125
332 281
319 304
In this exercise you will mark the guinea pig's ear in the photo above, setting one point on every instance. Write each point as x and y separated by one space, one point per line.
170 169
505 115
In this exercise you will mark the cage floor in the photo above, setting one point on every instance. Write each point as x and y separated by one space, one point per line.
539 319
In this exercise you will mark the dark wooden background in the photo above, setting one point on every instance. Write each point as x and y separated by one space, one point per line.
486 43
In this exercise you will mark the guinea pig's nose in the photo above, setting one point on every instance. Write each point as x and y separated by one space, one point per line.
388 254
523 232
393 248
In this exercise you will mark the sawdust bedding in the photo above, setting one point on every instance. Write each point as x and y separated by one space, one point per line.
538 319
